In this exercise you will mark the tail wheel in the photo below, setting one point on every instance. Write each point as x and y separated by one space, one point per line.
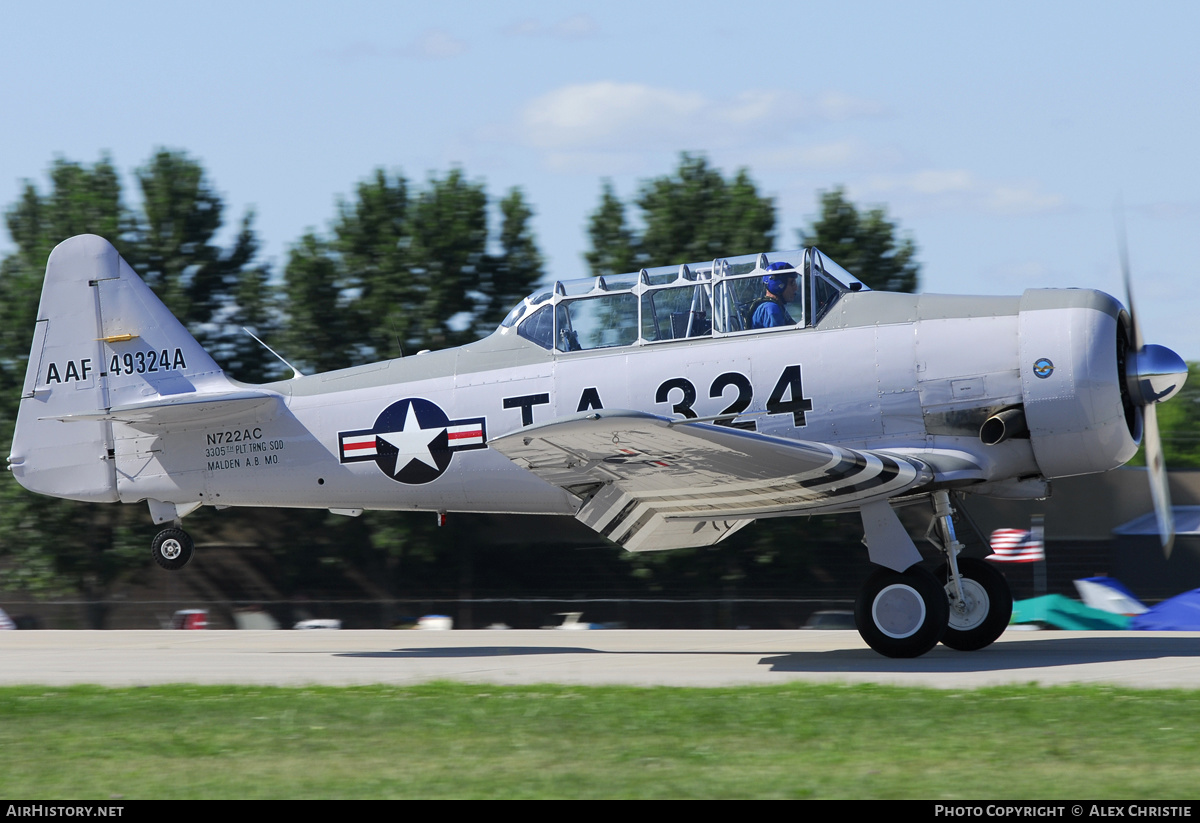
172 548
986 608
902 614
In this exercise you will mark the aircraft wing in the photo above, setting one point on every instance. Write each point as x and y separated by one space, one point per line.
655 483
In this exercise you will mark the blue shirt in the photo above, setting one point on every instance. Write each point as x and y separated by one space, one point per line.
770 313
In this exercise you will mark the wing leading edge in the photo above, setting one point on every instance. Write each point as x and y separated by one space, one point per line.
652 483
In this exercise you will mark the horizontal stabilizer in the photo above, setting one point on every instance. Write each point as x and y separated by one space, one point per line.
189 408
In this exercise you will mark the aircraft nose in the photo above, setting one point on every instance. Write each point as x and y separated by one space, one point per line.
1154 374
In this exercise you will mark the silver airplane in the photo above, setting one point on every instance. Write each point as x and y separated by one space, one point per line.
651 406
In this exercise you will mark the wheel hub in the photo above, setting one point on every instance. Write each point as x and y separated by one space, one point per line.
171 549
972 610
898 611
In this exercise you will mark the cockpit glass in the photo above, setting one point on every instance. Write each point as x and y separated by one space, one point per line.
824 293
597 322
513 316
677 302
539 327
676 312
837 274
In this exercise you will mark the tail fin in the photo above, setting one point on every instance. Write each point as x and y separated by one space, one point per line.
102 340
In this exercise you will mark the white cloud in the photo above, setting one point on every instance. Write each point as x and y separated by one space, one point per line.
836 106
433 44
1022 199
578 25
352 52
937 190
437 44
938 181
608 115
841 156
524 28
600 163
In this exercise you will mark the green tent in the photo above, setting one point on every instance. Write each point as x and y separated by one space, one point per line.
1064 613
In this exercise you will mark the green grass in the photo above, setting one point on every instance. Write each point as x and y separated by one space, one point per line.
451 740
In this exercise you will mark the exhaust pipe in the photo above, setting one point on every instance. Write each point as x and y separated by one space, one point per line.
1002 425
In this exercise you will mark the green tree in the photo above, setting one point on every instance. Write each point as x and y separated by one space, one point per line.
516 271
213 291
407 267
447 257
58 545
695 214
343 288
51 545
864 243
613 248
321 333
81 200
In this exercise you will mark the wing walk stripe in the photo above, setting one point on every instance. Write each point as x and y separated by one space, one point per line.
819 486
746 487
890 470
840 472
893 474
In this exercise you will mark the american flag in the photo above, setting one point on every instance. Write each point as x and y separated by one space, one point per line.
1016 546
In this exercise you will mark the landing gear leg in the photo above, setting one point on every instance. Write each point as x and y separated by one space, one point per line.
979 597
901 614
172 548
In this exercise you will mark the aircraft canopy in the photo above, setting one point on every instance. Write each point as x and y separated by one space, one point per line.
666 303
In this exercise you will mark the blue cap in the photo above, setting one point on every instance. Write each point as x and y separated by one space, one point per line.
776 283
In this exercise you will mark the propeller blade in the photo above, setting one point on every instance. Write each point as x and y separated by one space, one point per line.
1156 468
1123 250
1153 374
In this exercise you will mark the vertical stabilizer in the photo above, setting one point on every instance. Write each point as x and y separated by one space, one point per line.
102 339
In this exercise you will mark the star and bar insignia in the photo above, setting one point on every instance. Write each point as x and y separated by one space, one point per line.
412 441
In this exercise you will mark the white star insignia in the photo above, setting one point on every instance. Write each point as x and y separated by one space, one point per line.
412 442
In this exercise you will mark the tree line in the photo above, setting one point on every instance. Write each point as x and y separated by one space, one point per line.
401 266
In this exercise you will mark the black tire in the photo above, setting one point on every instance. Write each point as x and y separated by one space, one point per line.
902 614
172 549
989 606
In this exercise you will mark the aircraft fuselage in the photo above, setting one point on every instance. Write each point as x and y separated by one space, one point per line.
901 373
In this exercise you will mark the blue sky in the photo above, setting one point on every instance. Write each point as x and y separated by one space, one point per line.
998 135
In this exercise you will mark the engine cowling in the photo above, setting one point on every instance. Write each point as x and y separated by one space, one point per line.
1074 348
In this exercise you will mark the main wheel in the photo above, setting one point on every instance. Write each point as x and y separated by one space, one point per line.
984 615
901 614
172 549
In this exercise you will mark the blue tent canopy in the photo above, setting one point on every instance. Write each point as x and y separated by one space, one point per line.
1179 614
1187 521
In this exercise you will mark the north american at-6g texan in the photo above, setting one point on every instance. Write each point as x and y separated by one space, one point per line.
651 406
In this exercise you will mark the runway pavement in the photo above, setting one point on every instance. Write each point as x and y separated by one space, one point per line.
640 658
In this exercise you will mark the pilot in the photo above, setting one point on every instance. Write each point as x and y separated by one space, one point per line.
770 310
